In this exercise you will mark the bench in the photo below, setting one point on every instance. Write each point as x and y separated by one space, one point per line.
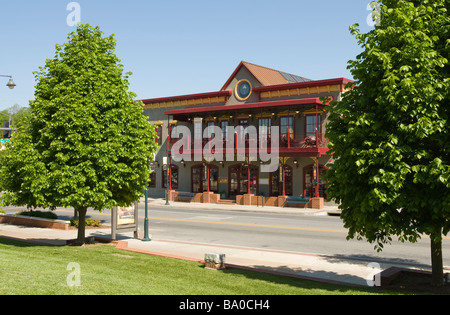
185 196
298 200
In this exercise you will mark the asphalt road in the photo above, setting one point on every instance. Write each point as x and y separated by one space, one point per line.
297 233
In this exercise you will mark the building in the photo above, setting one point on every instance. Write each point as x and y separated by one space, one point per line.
287 114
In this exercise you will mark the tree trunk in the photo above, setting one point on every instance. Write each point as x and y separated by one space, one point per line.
437 265
81 225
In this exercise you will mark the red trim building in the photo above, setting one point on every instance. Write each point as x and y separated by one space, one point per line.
252 96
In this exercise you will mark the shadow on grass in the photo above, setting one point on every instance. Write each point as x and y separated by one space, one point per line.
286 276
17 243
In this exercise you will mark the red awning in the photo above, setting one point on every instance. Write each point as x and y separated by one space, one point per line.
247 106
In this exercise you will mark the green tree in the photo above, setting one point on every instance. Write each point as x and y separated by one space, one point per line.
87 144
390 133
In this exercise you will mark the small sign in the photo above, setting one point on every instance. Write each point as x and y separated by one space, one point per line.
125 215
124 219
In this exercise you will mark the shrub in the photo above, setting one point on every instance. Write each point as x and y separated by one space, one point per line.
39 214
89 222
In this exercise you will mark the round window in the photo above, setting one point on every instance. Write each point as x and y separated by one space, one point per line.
243 90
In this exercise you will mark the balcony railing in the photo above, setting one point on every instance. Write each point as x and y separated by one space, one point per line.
295 141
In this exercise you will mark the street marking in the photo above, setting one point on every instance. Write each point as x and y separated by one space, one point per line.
248 225
251 225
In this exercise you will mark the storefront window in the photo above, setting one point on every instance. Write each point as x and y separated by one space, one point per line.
174 177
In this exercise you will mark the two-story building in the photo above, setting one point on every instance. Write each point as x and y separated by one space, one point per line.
289 118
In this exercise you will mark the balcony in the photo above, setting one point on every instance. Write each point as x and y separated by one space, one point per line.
298 144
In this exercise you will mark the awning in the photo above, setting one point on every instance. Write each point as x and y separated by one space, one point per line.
246 106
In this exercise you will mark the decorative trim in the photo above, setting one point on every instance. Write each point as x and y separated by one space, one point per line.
301 91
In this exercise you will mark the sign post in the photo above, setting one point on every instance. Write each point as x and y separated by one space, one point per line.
124 219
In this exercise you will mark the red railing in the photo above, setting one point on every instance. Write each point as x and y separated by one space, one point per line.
295 141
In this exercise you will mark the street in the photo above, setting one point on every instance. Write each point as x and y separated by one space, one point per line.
285 232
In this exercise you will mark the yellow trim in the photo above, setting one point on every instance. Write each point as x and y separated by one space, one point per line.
264 115
199 101
287 113
243 116
302 91
313 111
236 94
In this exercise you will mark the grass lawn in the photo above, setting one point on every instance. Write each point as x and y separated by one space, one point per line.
30 269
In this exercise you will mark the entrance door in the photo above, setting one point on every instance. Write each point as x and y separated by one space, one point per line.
276 181
199 177
309 181
238 180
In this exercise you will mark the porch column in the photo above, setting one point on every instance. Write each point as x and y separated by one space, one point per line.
317 127
317 194
207 165
169 175
248 178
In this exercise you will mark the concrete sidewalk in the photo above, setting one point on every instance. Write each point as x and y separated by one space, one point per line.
328 209
303 265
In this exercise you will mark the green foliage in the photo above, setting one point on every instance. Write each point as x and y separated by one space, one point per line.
87 143
88 222
390 133
39 214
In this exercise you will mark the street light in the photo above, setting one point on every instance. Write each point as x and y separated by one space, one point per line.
11 83
146 235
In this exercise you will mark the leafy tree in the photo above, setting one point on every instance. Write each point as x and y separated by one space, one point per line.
87 143
390 133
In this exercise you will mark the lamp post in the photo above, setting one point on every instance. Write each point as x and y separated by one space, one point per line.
168 179
10 83
146 236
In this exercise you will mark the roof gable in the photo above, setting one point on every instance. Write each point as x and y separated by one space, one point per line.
266 76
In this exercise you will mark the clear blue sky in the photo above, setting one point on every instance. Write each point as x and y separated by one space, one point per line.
176 47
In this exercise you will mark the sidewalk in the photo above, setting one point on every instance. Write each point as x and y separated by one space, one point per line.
287 210
303 265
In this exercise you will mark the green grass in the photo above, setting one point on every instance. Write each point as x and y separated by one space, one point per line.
27 269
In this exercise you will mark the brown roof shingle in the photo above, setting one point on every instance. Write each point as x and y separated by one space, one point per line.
267 76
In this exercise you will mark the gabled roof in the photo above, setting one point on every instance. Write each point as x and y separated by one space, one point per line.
266 76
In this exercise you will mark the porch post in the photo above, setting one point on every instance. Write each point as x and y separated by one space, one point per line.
168 162
248 178
169 174
317 126
317 194
207 165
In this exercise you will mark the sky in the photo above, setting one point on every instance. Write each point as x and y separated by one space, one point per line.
178 47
